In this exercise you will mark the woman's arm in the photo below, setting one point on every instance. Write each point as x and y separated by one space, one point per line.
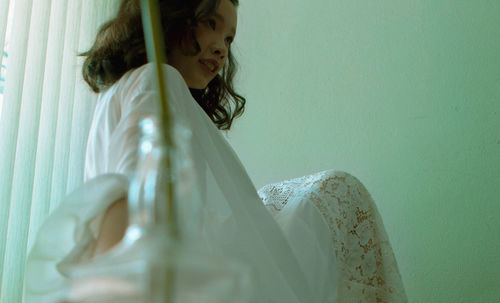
113 227
137 100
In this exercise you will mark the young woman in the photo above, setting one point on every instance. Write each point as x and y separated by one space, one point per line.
199 36
318 238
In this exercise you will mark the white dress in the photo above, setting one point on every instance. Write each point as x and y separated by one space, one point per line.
318 238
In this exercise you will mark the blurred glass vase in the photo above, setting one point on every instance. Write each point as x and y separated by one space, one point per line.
159 259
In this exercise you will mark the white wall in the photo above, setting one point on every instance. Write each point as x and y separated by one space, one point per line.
404 95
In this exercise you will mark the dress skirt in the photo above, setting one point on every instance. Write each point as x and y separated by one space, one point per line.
368 271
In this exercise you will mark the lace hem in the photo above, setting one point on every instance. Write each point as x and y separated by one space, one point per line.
369 271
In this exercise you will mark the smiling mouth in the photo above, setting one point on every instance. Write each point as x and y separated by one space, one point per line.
211 67
207 69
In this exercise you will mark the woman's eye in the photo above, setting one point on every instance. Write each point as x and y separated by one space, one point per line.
211 23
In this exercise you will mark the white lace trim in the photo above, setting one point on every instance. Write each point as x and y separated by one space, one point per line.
369 271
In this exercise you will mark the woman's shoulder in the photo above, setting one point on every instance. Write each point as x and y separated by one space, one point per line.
143 77
135 93
139 81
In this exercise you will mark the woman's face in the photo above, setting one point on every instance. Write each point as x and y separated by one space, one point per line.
214 35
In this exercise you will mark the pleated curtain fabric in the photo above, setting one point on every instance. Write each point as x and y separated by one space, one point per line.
46 110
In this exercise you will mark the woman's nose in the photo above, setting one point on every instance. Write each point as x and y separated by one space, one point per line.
220 48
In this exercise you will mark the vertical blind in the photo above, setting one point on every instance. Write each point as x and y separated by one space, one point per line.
45 113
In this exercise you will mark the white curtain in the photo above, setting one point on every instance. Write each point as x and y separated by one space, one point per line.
45 113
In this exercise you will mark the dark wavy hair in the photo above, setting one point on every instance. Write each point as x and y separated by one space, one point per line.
119 47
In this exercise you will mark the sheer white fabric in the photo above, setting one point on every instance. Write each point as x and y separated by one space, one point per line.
368 268
292 242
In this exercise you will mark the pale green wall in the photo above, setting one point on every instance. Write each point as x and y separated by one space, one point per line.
404 95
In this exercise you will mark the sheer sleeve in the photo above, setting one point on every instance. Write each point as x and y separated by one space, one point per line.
134 99
124 140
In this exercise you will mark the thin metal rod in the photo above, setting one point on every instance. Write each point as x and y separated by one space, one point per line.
155 48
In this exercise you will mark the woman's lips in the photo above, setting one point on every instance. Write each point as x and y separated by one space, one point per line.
206 69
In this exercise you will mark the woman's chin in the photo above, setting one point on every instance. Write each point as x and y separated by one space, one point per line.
198 85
